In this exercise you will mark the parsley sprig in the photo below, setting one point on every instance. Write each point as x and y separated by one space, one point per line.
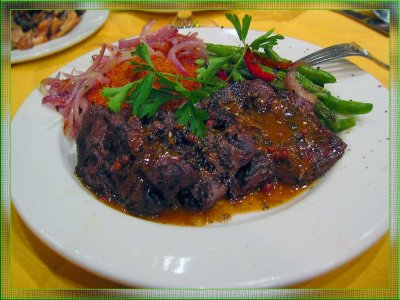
267 40
145 100
241 29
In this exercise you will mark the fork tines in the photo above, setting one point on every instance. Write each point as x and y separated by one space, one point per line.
333 52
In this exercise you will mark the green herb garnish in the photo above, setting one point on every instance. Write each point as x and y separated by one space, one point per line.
266 41
241 29
194 117
140 94
208 72
146 100
117 95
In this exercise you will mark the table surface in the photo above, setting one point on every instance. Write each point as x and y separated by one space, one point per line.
34 265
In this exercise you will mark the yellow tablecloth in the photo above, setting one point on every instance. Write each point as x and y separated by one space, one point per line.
34 265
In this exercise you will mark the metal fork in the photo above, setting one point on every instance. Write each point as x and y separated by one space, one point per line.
339 51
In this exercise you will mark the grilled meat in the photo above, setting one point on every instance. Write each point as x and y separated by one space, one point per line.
256 136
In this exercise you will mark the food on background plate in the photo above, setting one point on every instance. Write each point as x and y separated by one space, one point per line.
33 27
167 122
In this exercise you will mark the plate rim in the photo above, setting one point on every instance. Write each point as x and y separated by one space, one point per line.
311 273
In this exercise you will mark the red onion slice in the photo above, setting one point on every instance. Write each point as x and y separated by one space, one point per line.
293 85
190 44
165 33
145 30
68 95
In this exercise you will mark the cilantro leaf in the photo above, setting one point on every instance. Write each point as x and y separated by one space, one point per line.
236 23
193 117
255 45
180 89
165 82
194 96
266 41
143 52
140 67
145 100
243 29
117 95
208 73
198 95
139 96
211 89
155 100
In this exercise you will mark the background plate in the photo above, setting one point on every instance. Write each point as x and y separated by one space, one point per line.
343 215
91 21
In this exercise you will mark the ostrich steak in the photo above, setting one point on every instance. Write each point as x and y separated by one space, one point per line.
255 136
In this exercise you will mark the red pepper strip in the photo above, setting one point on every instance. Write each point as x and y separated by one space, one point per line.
273 63
254 67
222 75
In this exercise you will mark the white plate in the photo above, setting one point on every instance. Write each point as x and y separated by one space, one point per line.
91 21
343 215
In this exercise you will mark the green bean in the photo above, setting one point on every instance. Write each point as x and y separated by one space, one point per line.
246 73
237 76
345 106
242 64
278 83
309 77
242 69
267 69
309 85
305 82
335 104
330 120
222 50
281 75
324 112
236 57
345 123
273 55
316 75
226 50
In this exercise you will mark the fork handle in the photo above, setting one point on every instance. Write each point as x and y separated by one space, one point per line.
382 64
